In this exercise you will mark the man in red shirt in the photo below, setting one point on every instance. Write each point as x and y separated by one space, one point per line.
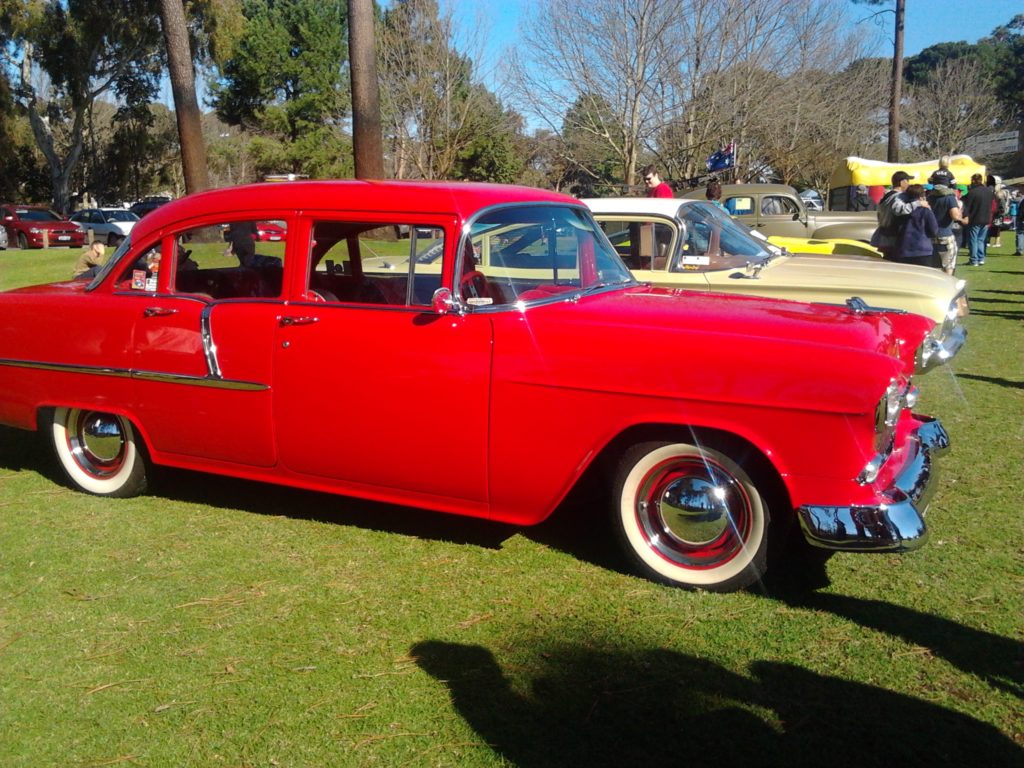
655 186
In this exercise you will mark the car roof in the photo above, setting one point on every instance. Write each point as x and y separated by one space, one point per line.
426 197
664 206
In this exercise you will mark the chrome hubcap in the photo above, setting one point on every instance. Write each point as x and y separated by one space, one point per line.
97 441
693 512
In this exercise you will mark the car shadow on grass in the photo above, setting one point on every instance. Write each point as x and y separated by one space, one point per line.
21 451
657 707
992 380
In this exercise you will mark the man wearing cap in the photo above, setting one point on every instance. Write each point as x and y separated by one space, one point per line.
944 205
978 210
893 210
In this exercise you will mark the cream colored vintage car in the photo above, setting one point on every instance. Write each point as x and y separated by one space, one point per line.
695 245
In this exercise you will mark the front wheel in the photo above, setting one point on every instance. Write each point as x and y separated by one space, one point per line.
99 452
690 516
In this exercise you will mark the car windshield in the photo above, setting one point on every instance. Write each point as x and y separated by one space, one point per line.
711 240
37 214
525 253
118 214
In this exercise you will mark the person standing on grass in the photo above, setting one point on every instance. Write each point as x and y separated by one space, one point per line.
919 231
1018 222
978 211
946 208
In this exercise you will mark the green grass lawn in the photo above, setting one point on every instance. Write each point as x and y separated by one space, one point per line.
218 622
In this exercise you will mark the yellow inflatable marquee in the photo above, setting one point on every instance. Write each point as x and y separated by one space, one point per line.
872 173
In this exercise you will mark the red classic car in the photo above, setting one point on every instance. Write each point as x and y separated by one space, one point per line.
481 367
33 226
270 232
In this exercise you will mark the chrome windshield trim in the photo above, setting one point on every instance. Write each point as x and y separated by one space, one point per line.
121 373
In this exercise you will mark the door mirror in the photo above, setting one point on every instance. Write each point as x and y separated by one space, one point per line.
442 302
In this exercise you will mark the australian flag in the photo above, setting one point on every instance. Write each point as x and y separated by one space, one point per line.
722 159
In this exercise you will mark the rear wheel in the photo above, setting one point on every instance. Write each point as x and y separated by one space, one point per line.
22 240
99 452
690 516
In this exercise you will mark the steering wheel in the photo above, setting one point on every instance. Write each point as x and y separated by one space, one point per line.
473 283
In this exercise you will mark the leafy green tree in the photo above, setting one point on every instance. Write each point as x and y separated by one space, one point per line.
85 49
287 81
1008 42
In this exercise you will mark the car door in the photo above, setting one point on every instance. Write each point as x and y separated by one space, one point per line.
372 388
781 215
202 349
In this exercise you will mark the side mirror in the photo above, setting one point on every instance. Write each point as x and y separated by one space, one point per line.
796 217
442 302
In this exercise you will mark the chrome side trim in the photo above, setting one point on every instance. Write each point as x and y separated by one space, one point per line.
209 346
896 524
170 378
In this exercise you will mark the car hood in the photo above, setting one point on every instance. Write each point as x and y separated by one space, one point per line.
834 279
723 347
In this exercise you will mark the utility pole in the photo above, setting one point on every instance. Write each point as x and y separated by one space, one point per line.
367 143
897 85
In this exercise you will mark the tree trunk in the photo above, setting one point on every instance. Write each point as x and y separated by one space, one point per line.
183 86
367 144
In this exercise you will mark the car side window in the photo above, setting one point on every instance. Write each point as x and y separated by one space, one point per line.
740 206
229 260
777 205
373 263
641 244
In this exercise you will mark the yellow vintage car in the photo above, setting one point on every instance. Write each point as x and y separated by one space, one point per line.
695 245
836 246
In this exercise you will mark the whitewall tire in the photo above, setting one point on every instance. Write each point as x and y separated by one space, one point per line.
99 452
690 516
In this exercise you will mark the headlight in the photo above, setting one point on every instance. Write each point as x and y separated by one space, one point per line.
35 230
897 396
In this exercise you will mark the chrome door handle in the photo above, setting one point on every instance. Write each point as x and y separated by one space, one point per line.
158 312
301 320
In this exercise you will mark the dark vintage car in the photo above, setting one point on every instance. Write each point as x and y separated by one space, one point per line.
35 226
484 366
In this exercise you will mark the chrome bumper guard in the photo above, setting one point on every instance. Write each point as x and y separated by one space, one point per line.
894 526
938 351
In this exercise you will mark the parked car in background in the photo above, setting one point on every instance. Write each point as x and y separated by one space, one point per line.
502 356
3 238
777 209
36 226
270 231
693 244
812 199
108 225
148 205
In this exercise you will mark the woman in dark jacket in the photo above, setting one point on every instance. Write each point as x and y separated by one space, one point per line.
915 246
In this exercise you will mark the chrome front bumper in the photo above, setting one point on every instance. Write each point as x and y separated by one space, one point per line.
896 525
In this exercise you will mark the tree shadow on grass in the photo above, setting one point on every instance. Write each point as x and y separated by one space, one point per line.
992 380
21 450
663 708
996 659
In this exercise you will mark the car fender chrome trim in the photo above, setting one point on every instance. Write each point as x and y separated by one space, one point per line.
122 373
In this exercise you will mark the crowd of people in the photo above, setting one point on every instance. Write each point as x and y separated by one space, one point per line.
921 224
928 226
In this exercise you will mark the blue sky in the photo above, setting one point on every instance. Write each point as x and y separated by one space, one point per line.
944 21
927 21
